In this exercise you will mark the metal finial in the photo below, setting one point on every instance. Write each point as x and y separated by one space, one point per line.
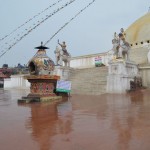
41 47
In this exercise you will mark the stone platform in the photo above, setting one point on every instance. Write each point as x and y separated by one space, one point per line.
121 73
63 71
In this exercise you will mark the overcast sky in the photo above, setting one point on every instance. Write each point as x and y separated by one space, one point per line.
91 32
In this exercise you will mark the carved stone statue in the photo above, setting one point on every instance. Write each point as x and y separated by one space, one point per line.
63 47
120 46
57 55
123 32
115 48
115 36
62 55
124 47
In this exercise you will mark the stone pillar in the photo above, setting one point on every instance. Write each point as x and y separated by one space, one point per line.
120 74
148 56
63 72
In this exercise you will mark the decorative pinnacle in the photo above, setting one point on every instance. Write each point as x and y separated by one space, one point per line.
42 47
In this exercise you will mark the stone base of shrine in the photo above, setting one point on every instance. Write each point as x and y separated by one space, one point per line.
30 99
42 89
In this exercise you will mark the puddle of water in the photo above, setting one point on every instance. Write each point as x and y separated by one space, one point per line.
107 122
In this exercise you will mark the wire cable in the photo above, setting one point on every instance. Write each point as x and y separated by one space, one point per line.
39 23
82 10
30 20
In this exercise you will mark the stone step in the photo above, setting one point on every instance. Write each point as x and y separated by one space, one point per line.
89 81
88 92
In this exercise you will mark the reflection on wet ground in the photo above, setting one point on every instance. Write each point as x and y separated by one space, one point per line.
106 122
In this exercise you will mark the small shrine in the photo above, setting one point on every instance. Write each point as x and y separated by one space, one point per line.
43 82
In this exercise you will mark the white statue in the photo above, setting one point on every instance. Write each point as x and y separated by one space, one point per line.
115 48
116 36
123 32
57 56
62 55
124 47
120 46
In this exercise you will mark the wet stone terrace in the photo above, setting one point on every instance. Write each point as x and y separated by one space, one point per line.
106 122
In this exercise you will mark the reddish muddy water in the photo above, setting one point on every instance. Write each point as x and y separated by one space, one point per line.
106 122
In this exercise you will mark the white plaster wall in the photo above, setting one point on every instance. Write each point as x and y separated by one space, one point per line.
145 74
82 62
7 83
88 62
16 81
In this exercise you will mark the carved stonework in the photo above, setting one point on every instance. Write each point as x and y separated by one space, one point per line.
43 85
120 46
42 88
62 55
